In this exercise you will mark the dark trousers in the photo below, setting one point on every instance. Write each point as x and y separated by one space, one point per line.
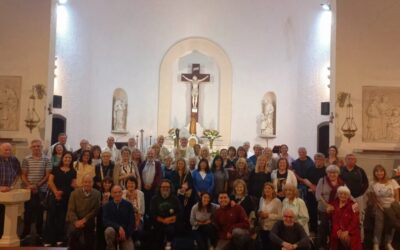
82 238
323 230
163 233
55 224
205 233
148 195
2 213
312 206
266 242
33 213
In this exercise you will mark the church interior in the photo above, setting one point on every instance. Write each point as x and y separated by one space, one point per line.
307 74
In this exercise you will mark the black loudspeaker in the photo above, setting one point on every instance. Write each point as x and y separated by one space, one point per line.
57 101
325 109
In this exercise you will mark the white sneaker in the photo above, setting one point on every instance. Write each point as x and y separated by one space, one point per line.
168 246
389 247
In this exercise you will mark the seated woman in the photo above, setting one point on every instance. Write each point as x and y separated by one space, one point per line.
239 196
384 192
297 205
345 231
281 176
201 219
269 212
136 198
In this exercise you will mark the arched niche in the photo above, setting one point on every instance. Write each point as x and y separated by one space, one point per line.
168 73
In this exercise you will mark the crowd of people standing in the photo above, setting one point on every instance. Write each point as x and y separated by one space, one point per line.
101 198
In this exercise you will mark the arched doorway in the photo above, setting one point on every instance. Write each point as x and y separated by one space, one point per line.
323 138
59 126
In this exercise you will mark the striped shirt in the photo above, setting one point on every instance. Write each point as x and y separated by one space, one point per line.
9 170
36 169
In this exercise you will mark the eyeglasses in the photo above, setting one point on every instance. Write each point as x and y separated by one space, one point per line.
288 216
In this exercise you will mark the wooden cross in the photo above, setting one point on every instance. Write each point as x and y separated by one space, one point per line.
194 78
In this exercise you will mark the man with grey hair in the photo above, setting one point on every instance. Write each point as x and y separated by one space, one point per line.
10 171
131 144
115 154
118 221
313 174
36 168
83 206
164 152
300 168
83 146
357 181
106 168
287 234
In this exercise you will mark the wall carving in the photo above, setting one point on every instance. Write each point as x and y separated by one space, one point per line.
10 96
381 114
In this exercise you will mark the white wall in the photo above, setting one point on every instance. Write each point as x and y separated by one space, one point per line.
272 45
26 49
367 54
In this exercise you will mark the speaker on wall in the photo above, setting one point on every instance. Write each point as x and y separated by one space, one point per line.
57 101
325 108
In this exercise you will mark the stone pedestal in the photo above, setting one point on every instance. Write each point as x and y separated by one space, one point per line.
12 201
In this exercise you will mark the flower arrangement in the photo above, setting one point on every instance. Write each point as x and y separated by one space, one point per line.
211 135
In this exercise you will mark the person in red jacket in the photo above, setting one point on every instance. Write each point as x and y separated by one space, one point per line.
345 222
232 224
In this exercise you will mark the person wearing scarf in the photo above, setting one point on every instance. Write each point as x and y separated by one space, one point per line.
325 194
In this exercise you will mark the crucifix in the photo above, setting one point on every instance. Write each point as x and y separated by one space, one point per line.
194 78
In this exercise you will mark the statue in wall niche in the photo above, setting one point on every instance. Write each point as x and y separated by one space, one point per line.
267 117
120 108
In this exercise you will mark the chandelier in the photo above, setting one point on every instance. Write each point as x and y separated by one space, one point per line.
349 127
32 117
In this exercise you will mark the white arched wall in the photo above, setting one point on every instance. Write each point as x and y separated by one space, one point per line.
212 50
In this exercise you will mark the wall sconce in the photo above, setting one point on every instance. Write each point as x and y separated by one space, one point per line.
32 117
349 127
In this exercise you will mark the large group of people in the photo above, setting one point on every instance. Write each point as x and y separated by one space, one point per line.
109 198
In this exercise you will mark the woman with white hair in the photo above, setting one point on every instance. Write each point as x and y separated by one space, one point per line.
297 205
345 231
325 194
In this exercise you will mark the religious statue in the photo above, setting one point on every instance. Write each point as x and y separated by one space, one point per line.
119 111
119 114
195 88
267 118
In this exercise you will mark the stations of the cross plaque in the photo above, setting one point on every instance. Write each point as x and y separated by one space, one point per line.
194 78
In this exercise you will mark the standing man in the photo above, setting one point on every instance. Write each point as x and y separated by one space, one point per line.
232 224
131 144
151 175
10 171
311 179
118 221
300 168
164 152
83 206
185 150
253 159
115 154
83 146
36 168
356 180
61 139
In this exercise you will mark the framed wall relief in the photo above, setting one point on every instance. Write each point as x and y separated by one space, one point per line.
381 114
10 102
